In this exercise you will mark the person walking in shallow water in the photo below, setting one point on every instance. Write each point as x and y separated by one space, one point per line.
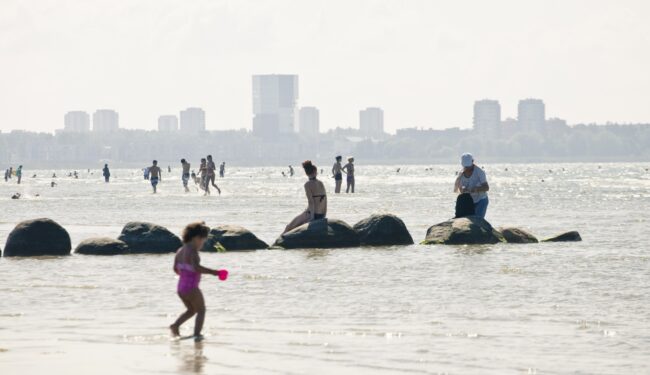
106 173
155 176
472 180
211 170
349 171
338 174
19 173
187 265
185 177
316 199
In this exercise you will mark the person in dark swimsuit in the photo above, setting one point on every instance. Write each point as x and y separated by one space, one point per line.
316 199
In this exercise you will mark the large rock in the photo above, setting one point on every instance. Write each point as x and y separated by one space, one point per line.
517 235
468 230
383 230
101 246
572 236
323 233
233 238
149 238
38 237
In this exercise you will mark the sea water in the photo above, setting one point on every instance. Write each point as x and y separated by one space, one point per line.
562 308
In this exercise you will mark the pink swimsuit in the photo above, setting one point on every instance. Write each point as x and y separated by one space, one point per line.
189 278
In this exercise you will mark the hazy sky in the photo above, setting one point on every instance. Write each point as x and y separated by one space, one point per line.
423 62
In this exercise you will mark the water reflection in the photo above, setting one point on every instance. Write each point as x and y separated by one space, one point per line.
190 356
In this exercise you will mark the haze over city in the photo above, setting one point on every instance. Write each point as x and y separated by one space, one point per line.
424 63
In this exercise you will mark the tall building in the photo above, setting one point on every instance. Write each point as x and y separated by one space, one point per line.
531 114
309 121
76 121
487 116
106 121
371 122
274 104
193 120
168 123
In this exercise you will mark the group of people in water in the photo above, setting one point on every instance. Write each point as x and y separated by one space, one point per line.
18 172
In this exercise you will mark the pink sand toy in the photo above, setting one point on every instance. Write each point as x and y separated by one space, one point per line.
223 274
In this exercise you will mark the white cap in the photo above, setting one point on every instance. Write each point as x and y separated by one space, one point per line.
467 160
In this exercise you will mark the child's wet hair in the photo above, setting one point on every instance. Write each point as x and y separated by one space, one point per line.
196 229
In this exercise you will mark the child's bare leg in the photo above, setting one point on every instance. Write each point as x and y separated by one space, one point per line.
175 328
198 305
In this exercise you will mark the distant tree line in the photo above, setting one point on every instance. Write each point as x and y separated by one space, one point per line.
138 147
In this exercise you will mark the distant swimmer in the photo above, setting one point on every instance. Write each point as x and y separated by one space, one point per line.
169 169
53 175
106 173
156 176
212 173
290 171
75 174
15 196
6 175
472 180
203 172
349 171
399 169
222 169
52 184
146 173
19 173
187 265
34 175
185 177
316 199
338 174
195 179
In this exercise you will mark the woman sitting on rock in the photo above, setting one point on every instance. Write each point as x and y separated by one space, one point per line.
316 199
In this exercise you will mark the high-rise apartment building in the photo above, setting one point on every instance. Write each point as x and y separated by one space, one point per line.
168 123
309 121
531 114
274 104
76 122
193 120
371 122
487 116
106 121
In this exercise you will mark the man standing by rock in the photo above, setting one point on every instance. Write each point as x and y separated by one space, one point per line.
472 180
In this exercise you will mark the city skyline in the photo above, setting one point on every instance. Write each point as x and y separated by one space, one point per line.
144 60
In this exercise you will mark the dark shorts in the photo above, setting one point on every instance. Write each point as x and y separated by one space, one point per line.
350 179
185 178
154 181
338 177
319 216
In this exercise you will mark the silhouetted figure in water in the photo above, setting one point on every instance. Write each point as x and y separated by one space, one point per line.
338 174
106 173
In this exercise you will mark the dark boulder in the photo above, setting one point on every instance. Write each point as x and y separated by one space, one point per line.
383 230
38 237
517 235
143 237
572 236
233 238
463 231
323 233
101 246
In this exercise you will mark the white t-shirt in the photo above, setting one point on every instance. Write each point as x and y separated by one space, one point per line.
475 180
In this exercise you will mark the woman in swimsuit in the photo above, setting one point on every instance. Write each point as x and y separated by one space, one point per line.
187 266
316 199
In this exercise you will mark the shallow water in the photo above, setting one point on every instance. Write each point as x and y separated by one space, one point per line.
532 309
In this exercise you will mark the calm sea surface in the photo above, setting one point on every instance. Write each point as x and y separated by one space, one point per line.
563 308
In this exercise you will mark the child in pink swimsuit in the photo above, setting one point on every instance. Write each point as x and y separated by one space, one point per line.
187 266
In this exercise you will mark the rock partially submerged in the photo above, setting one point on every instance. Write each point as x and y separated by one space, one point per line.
383 230
468 230
144 237
323 233
517 235
38 237
101 246
572 236
232 238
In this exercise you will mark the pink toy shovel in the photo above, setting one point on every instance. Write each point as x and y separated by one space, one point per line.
223 274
